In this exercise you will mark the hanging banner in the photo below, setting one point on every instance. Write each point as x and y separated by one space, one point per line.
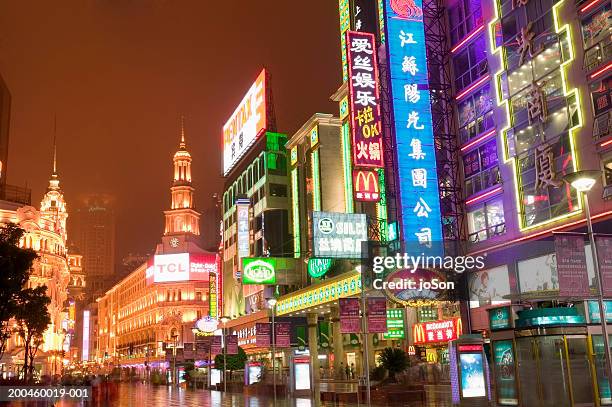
349 315
366 121
604 257
282 334
169 355
215 347
202 349
571 266
262 334
377 315
324 334
302 337
232 345
188 351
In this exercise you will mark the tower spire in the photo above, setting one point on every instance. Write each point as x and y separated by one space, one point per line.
55 146
182 145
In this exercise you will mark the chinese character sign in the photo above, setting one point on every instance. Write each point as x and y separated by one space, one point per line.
364 100
242 208
420 206
437 331
339 235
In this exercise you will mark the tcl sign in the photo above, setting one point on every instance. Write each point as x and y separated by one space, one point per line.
181 267
437 331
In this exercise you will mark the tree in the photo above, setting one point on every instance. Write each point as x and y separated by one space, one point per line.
234 362
32 318
15 266
394 360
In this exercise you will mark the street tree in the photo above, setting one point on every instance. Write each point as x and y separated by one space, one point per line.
15 268
234 362
32 319
394 360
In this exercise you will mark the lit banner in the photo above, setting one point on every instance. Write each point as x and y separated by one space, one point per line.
242 209
364 100
282 334
350 319
85 349
246 124
377 315
604 255
181 267
437 331
572 271
366 186
420 206
339 235
232 345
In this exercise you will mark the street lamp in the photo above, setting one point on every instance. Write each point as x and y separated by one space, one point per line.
224 320
272 303
583 181
174 336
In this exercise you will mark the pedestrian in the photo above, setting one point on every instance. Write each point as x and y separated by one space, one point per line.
341 372
348 372
352 370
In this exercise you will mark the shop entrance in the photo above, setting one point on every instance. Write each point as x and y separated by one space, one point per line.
554 371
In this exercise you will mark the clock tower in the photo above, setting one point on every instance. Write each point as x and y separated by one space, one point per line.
182 219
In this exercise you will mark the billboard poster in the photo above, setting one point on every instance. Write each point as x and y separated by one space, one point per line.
412 124
539 275
366 185
472 375
377 315
339 235
571 266
489 287
282 334
604 257
164 268
215 346
364 100
246 124
503 357
349 315
263 332
259 270
232 345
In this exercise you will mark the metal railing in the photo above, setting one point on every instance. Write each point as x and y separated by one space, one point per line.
602 125
597 55
489 232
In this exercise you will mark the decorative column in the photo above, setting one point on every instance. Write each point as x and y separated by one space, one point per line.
313 348
337 339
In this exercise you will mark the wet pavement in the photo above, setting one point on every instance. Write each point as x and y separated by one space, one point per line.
141 395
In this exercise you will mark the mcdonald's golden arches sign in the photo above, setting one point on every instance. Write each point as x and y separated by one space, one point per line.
366 185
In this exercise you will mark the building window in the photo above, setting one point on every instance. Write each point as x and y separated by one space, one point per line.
486 221
476 114
480 168
463 17
596 36
601 96
471 63
278 190
543 194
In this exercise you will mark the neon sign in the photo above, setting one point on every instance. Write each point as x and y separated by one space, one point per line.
419 195
437 331
364 100
246 124
366 186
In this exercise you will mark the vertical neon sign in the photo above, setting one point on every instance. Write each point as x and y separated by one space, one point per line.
85 350
242 209
418 179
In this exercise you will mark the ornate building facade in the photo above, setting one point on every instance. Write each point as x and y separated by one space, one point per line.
159 302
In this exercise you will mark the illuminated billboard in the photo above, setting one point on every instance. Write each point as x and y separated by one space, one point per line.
339 235
364 100
437 331
181 267
366 186
246 124
412 123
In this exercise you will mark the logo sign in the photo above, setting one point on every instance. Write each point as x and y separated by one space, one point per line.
339 235
437 331
412 123
181 267
207 324
366 186
259 270
500 318
317 268
246 124
424 292
364 100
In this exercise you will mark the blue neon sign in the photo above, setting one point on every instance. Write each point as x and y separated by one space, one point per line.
418 179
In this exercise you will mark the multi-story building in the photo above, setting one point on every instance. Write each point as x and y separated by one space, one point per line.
5 116
92 230
77 303
159 302
45 232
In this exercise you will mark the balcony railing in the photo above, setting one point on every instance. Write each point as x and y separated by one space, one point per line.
477 127
482 180
487 233
597 55
16 194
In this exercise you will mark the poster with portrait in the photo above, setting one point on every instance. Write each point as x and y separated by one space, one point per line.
489 287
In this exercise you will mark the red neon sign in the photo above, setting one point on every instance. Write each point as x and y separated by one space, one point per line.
364 100
437 331
366 185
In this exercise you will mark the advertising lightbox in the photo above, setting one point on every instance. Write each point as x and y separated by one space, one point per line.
259 270
167 268
246 124
339 235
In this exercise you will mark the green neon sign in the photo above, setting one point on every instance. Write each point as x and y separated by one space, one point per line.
259 270
317 267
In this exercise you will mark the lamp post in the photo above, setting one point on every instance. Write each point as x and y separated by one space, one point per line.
272 304
583 181
224 321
